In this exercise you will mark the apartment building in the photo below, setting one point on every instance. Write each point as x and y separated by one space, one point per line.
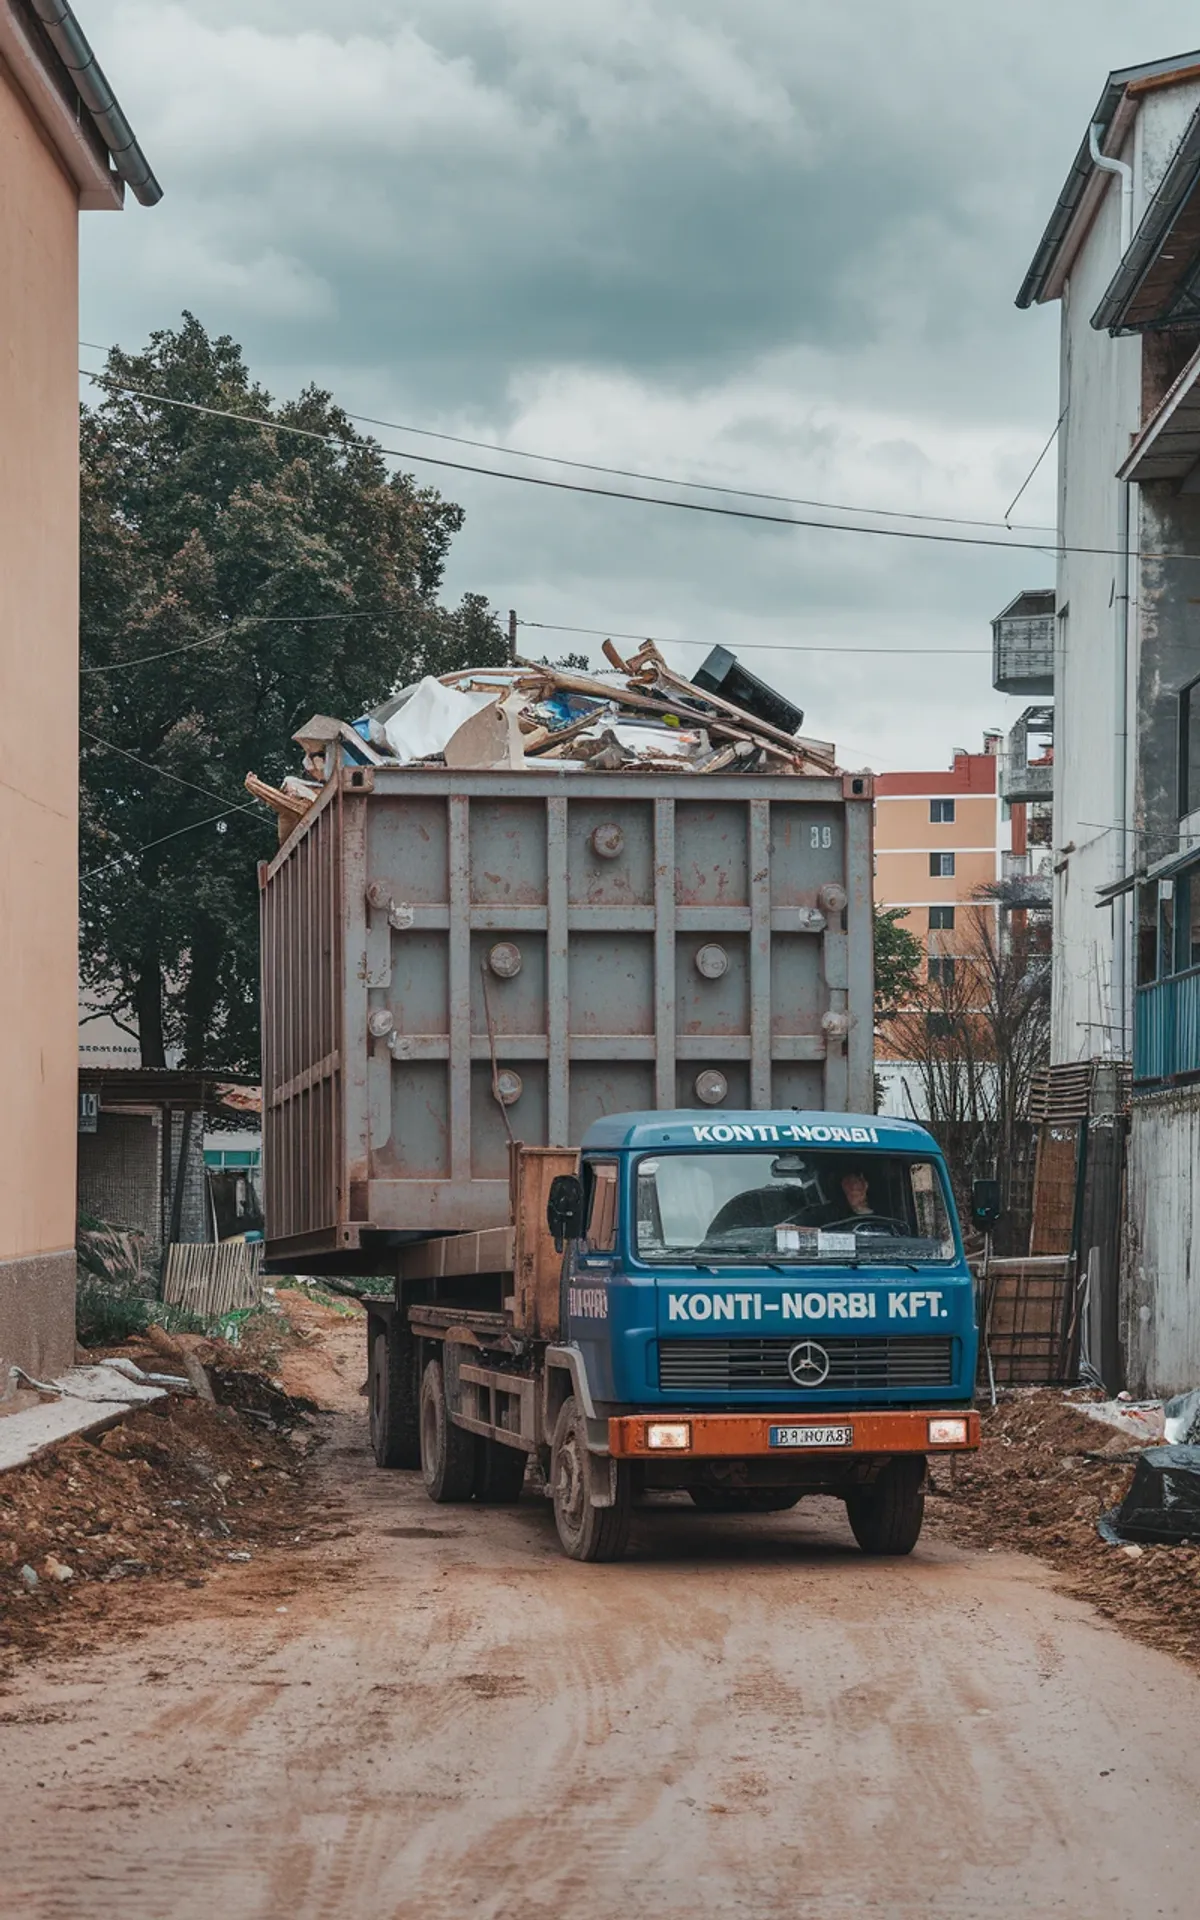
940 839
1120 255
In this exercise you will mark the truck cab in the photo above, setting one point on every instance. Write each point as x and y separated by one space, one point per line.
769 1304
743 1307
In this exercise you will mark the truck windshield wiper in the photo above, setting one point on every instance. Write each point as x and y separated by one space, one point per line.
706 1257
739 1250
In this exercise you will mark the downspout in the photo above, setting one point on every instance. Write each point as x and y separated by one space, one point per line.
1118 1033
1101 160
71 45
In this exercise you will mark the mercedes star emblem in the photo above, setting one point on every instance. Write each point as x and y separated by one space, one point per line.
808 1364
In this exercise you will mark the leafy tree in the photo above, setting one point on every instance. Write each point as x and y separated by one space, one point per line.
235 579
898 962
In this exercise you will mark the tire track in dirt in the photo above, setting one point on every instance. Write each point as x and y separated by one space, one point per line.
746 1721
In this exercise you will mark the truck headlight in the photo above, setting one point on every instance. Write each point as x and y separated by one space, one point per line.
947 1433
668 1436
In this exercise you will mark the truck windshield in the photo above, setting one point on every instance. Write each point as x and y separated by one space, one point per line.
791 1209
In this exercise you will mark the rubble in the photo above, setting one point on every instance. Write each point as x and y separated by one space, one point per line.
635 715
175 1489
1163 1501
1040 1484
1181 1419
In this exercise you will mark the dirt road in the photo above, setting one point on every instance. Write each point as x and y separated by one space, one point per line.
435 1716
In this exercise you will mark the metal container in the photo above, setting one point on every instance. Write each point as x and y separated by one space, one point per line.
449 958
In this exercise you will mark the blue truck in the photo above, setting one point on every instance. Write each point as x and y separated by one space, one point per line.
745 1308
580 1063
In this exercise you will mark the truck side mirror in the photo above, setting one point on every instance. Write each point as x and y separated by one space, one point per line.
985 1203
564 1209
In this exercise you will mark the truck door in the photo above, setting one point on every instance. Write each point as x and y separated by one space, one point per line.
589 1271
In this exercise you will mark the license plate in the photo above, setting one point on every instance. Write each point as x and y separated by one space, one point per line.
812 1436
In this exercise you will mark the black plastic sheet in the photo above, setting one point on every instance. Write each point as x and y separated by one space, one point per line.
1163 1502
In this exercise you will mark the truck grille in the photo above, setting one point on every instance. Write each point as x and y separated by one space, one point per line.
719 1366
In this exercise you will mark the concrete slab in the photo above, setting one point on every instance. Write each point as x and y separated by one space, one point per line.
92 1398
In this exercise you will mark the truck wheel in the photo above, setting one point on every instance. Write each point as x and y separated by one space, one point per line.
886 1518
395 1427
500 1473
586 1532
744 1499
447 1452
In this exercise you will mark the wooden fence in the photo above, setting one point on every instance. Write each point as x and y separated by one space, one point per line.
212 1280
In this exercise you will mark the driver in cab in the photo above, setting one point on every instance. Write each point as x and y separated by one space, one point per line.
857 1191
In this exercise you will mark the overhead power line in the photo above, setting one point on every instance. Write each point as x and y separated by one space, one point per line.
228 633
1037 463
613 493
764 646
702 486
339 441
662 479
131 853
231 806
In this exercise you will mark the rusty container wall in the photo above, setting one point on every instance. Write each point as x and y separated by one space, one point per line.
303 997
601 940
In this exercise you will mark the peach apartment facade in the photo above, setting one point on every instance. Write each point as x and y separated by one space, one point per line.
65 147
940 836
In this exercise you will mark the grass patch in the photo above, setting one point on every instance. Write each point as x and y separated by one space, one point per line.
105 1315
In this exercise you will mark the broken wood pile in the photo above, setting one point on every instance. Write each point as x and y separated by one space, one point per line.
637 715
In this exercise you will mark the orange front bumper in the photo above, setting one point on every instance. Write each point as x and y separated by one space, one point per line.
736 1436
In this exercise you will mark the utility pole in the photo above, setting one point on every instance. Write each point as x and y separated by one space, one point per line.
512 637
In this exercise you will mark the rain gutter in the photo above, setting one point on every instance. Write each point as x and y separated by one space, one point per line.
73 49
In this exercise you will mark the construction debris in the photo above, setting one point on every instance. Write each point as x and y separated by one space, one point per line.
1040 1483
1163 1501
165 1497
1181 1419
723 673
634 715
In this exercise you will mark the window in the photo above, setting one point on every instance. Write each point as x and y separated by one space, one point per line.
601 1236
1189 750
795 1207
941 866
1169 926
941 919
941 968
939 1026
941 813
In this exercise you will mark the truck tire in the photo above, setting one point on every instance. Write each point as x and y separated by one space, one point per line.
499 1473
886 1518
448 1453
745 1499
584 1531
391 1383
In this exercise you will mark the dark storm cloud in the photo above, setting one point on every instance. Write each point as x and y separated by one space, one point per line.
766 241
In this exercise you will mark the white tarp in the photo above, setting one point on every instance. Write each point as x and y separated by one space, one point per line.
427 720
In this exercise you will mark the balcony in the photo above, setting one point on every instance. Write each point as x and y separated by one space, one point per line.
1027 763
1023 644
1025 783
1166 1029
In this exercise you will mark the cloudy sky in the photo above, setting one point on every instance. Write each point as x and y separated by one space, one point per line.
767 244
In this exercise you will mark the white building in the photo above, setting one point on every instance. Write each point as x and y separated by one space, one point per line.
1121 253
